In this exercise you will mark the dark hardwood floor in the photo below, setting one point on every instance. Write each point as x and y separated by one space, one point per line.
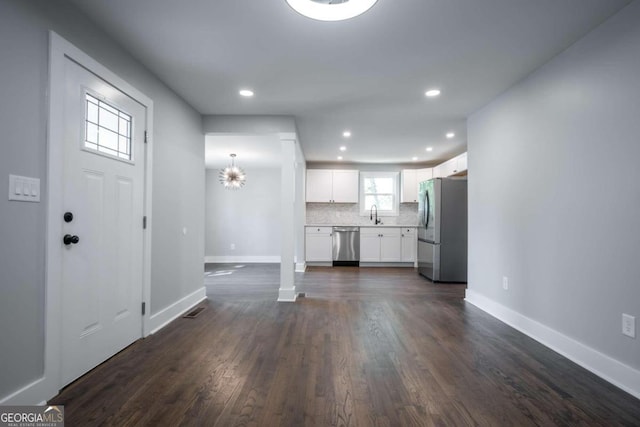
366 347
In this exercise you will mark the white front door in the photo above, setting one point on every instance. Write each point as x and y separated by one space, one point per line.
102 238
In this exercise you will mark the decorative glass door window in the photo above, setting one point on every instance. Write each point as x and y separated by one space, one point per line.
107 129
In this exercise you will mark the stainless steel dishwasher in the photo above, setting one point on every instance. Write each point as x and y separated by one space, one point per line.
346 246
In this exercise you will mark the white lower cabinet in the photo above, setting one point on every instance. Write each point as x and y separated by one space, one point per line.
369 245
409 243
318 244
380 244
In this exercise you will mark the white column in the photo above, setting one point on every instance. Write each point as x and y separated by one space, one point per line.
287 291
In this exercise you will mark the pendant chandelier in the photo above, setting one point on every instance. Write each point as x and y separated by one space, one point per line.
232 177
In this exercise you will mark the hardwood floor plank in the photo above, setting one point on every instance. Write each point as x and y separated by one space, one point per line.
366 347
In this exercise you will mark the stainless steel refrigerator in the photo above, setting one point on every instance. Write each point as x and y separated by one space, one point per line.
442 230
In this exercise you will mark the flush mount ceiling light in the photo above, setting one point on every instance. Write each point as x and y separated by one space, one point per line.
432 93
339 157
247 93
343 148
450 135
346 134
414 158
429 148
232 177
331 10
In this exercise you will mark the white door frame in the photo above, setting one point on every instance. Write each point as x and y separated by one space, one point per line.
59 50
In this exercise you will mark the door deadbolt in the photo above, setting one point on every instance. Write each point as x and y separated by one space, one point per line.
68 217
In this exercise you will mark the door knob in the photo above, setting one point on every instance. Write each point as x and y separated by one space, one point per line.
68 239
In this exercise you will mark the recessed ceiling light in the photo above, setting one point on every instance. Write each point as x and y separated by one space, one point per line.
429 148
343 148
346 133
431 93
247 93
325 10
339 157
414 158
450 135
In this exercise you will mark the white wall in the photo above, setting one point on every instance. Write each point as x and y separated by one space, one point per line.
554 198
248 217
178 177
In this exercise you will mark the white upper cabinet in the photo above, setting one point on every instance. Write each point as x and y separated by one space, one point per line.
449 167
411 179
455 166
319 185
332 186
409 186
461 163
345 186
423 175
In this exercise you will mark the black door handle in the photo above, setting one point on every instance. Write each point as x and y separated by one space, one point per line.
68 239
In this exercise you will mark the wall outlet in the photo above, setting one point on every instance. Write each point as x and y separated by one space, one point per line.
505 283
233 246
628 325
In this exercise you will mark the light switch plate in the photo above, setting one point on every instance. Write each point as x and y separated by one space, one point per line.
628 325
24 189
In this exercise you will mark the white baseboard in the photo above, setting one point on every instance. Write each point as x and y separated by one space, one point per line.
242 259
607 368
34 393
287 295
300 267
167 315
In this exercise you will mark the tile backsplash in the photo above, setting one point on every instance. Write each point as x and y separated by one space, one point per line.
349 214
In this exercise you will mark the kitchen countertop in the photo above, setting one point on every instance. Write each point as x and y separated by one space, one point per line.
361 225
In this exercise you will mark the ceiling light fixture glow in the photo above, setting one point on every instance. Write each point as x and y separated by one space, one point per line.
346 134
339 157
429 148
343 148
450 135
432 93
232 177
414 158
247 93
331 10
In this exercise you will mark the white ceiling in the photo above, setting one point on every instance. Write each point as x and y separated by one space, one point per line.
368 74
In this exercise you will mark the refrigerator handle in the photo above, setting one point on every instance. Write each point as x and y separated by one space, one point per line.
426 211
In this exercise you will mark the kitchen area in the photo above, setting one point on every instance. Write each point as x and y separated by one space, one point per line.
396 217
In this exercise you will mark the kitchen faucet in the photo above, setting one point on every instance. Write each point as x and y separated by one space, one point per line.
377 221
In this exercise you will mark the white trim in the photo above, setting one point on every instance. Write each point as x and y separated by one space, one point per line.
396 192
301 267
287 295
607 368
275 259
59 49
30 394
169 314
